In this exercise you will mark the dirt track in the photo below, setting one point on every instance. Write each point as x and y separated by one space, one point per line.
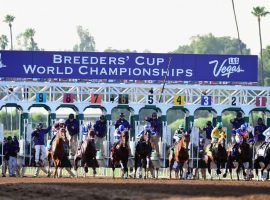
107 188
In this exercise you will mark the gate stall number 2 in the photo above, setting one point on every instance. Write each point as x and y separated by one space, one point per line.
40 97
234 101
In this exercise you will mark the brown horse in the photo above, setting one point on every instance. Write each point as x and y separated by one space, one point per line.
57 155
179 154
143 154
87 153
120 154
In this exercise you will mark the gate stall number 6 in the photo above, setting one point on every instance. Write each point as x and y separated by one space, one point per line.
40 97
123 99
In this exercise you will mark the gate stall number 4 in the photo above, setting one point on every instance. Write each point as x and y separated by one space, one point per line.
40 97
178 100
234 101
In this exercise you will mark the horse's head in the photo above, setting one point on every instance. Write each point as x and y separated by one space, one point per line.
62 133
147 136
124 137
91 132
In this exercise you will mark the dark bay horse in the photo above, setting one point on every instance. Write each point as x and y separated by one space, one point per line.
87 154
143 154
242 155
120 153
180 155
218 155
58 155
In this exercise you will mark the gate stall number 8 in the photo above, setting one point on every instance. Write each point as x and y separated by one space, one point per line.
68 98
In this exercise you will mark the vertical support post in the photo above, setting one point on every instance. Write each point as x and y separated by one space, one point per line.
80 118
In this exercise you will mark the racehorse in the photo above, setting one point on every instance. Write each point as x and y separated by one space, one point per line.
180 155
87 153
58 154
262 160
218 155
120 154
242 156
143 154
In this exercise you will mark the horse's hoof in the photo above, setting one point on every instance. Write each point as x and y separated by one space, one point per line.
224 175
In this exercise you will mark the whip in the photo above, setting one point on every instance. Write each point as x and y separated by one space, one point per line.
165 79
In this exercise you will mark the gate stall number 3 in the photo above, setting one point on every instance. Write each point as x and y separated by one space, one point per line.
206 101
40 97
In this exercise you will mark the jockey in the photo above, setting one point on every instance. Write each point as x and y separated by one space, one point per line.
146 128
117 133
38 139
218 135
56 127
241 134
237 122
259 129
85 129
178 134
156 127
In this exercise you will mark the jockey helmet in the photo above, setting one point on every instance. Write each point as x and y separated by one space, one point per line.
219 125
208 123
121 127
61 121
146 127
181 126
239 114
9 138
243 127
122 115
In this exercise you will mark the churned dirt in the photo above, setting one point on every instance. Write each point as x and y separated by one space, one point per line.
107 188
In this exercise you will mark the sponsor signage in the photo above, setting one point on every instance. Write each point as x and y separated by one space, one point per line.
128 66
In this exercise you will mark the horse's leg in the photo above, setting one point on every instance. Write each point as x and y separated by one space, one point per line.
209 167
94 166
226 167
238 170
113 167
171 166
56 163
125 169
145 167
135 165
